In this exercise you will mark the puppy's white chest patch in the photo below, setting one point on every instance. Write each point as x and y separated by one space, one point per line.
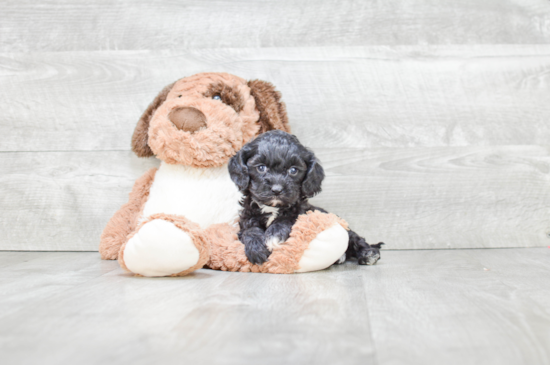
273 211
203 195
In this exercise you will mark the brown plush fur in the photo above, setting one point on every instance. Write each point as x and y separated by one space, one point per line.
124 221
226 131
272 110
228 95
200 240
141 133
245 110
228 253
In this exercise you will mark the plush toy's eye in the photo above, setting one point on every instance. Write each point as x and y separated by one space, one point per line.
261 168
217 97
293 171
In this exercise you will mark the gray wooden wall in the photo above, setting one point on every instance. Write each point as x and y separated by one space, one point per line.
431 118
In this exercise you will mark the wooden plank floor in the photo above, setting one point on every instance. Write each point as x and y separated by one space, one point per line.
483 306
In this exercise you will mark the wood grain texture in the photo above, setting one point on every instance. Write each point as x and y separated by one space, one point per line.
8 258
76 308
427 116
62 25
441 197
485 306
62 201
336 97
461 307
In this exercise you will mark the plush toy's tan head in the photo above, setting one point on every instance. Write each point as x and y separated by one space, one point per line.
203 120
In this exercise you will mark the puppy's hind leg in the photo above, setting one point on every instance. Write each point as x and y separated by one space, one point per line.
366 254
341 260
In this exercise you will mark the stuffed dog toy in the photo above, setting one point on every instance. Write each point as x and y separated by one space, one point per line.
184 215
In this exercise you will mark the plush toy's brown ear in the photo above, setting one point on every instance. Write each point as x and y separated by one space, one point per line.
140 137
268 102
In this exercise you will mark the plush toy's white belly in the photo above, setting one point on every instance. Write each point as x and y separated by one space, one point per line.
203 195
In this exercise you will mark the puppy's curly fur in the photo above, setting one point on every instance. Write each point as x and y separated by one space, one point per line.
277 175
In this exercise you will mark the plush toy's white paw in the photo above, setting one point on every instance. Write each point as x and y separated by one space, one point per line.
324 249
160 248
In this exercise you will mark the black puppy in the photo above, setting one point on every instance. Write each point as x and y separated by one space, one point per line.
277 175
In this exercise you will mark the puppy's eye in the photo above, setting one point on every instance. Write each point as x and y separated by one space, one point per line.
293 171
261 168
217 97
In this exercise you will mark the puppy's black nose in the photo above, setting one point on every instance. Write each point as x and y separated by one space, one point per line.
276 189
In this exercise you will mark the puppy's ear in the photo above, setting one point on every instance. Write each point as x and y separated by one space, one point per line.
141 135
268 102
311 185
238 169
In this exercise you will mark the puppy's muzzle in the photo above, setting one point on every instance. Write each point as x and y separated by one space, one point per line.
187 119
276 189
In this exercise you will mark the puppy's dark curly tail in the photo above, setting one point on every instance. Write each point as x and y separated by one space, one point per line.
378 245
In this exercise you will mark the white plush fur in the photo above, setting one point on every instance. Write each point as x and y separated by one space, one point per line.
325 249
160 248
203 195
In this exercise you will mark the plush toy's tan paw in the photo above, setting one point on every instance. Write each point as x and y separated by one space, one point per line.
164 247
317 240
325 249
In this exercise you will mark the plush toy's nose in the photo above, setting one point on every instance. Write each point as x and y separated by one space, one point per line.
187 119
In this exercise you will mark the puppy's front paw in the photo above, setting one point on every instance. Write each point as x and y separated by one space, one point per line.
276 234
370 256
272 242
256 251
